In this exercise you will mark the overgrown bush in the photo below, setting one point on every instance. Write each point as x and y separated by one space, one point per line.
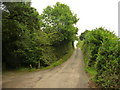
101 52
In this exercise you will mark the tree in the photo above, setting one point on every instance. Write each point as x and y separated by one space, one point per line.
20 34
58 22
30 39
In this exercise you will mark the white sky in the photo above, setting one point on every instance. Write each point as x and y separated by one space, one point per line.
92 13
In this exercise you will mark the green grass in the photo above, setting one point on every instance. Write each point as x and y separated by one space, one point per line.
79 44
62 60
91 71
21 69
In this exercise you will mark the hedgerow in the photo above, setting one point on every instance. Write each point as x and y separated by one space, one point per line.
101 51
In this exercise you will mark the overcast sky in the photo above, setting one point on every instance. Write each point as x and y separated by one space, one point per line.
92 13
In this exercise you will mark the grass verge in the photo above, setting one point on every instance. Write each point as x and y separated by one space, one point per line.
92 72
79 44
62 60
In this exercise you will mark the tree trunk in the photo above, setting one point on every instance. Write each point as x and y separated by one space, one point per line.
30 66
38 64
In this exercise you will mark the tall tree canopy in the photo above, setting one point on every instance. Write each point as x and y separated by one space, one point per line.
59 22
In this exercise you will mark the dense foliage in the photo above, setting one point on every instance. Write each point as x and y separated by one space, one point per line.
100 48
59 21
82 36
33 40
19 29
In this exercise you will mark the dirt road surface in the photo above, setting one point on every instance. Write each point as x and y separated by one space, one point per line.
70 74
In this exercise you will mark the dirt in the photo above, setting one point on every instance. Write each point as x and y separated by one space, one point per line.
70 74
